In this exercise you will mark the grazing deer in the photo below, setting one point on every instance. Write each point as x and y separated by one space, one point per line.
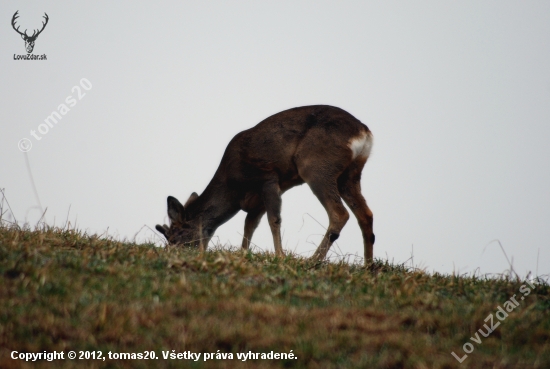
323 146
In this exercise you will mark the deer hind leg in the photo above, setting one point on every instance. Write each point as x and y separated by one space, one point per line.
250 224
350 189
271 196
326 191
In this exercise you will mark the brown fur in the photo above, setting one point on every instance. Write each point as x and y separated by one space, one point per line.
308 144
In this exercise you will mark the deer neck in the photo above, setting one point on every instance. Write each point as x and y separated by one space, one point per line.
215 206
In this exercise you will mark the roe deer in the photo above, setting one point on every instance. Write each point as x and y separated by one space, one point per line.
323 146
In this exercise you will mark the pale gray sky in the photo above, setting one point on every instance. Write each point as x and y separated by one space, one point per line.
457 95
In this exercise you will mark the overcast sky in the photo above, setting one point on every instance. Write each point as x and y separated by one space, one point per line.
457 95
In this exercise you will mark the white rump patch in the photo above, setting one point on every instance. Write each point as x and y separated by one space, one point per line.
361 146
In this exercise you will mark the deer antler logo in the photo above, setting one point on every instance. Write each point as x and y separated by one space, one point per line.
29 40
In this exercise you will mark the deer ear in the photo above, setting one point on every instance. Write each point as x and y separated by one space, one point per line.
23 37
175 210
162 229
191 198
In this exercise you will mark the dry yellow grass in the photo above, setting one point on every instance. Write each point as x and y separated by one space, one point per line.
63 290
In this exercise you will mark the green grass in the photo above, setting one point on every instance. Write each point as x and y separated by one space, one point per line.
64 290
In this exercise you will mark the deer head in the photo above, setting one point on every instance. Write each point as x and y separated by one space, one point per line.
182 230
29 40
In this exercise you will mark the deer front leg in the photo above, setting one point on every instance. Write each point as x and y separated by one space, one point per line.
250 224
271 196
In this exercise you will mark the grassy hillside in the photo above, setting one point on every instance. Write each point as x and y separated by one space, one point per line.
64 290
